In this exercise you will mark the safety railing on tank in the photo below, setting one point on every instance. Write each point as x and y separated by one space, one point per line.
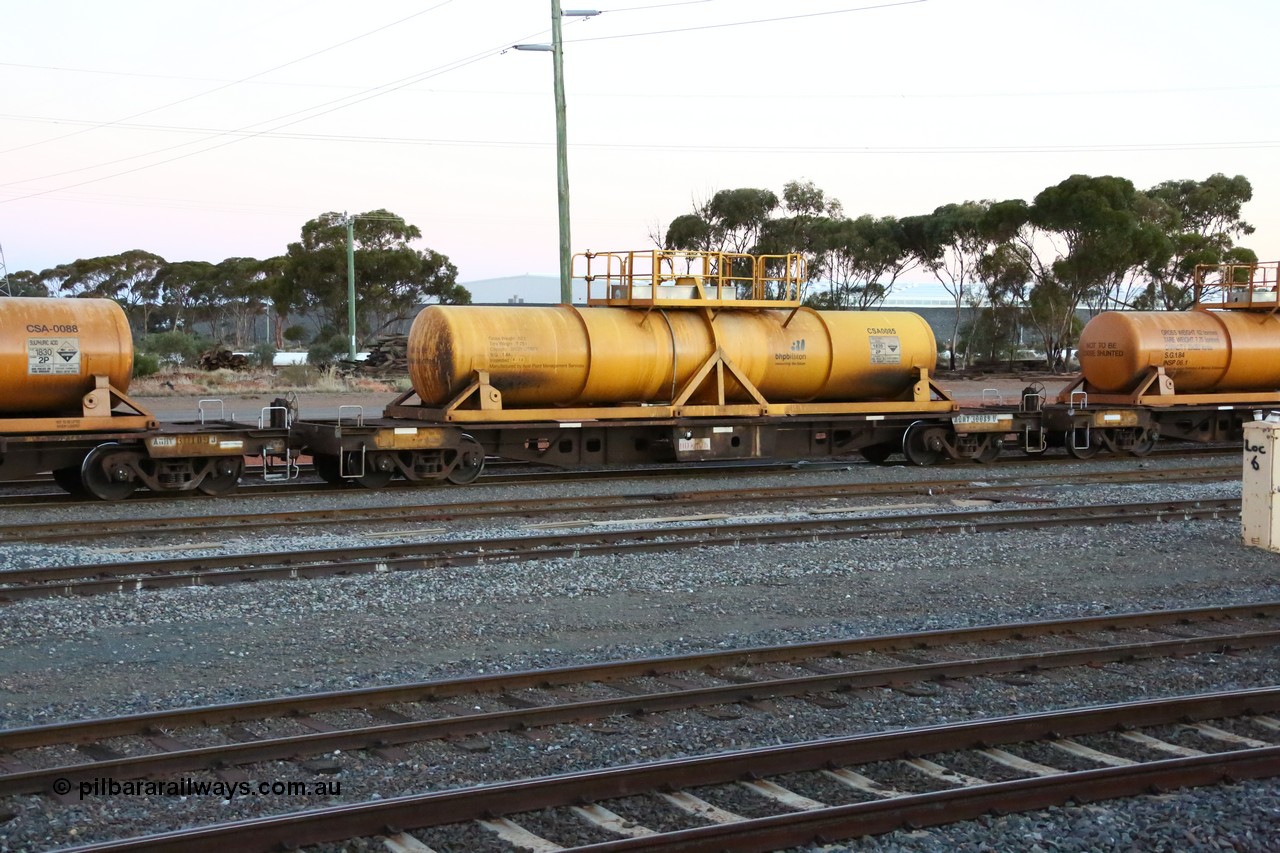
662 277
222 409
1238 286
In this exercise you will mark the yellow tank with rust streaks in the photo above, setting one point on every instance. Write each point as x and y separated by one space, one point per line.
51 349
562 356
1202 351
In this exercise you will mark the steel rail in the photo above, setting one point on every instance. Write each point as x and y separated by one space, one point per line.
545 475
467 725
235 712
341 823
942 807
595 505
557 475
212 570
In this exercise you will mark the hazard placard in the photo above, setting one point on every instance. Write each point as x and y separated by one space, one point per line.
53 356
886 349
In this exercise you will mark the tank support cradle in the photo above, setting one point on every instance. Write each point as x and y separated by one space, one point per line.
481 403
97 413
1156 388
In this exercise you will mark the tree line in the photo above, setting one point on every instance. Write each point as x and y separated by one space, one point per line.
1096 243
1087 242
172 301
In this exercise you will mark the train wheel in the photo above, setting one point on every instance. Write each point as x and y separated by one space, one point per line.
379 468
1145 443
922 443
878 454
105 478
1092 449
327 468
470 463
224 477
68 479
990 450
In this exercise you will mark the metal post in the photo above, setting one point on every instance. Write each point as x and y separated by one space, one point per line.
562 156
351 287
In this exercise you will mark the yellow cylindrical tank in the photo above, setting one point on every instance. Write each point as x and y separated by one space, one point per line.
51 349
1200 350
561 355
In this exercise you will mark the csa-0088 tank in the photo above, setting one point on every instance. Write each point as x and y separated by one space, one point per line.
1199 350
51 349
561 355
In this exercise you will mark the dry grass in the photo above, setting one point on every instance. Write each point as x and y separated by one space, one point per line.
181 383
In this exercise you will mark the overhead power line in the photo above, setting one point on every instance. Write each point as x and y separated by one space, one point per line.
246 131
747 23
230 83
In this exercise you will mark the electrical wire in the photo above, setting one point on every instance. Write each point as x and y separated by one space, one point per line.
1207 145
226 85
746 23
338 104
364 95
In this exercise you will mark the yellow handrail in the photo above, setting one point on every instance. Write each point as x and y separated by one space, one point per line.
690 278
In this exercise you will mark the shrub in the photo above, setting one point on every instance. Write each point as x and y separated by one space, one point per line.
173 347
325 352
296 333
264 355
145 364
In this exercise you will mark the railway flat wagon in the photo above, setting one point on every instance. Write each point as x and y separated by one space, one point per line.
678 356
65 369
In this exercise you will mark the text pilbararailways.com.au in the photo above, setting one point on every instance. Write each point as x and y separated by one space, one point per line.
103 787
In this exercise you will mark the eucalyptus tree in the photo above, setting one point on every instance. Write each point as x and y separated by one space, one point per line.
176 282
1073 243
801 231
1202 220
731 221
392 278
950 243
128 278
27 283
863 259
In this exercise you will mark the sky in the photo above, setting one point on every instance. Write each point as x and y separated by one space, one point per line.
201 131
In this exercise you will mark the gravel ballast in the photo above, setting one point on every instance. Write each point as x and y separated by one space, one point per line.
63 659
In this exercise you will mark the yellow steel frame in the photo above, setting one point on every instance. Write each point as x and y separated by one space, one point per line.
1238 287
670 278
481 403
1156 389
96 414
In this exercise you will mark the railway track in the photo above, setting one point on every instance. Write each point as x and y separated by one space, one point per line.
154 744
519 472
100 578
497 474
818 791
999 489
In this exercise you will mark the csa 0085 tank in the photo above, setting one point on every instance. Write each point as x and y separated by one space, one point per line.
549 356
1199 350
51 349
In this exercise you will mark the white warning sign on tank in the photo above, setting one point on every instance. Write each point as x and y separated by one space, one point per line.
886 349
53 356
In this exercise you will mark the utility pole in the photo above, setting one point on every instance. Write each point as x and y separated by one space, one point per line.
562 146
562 157
349 220
351 286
